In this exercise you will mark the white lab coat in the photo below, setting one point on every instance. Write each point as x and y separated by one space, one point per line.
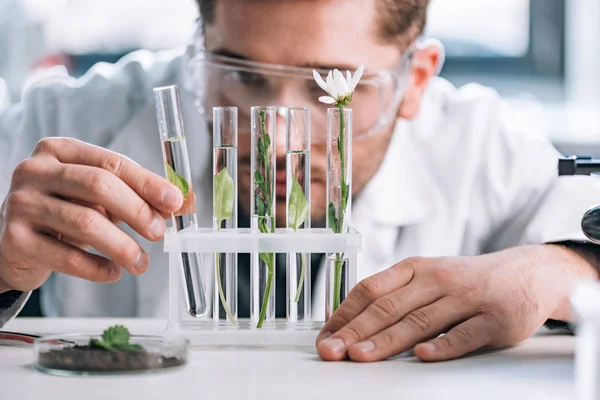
460 179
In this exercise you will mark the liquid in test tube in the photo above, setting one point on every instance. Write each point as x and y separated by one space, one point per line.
178 172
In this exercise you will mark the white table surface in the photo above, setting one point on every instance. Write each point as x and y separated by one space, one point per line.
540 368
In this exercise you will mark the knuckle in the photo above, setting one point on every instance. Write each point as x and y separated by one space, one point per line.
420 319
384 308
143 212
73 259
48 145
16 201
113 163
369 288
386 340
414 262
463 336
86 221
343 316
27 168
101 184
13 238
352 334
492 311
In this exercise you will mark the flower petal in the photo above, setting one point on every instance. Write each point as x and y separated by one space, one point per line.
331 88
327 100
340 84
349 79
320 81
357 76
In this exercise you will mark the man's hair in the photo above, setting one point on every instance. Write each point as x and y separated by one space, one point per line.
402 21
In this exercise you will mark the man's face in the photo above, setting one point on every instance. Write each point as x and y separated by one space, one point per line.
308 33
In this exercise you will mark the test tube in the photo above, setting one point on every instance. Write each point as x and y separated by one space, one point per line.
225 203
178 172
262 195
298 212
339 204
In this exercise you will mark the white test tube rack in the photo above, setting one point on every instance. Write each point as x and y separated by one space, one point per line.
207 241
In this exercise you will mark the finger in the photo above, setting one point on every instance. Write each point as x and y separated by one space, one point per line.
419 325
74 242
154 189
90 227
189 207
89 185
365 292
462 339
382 313
100 209
60 257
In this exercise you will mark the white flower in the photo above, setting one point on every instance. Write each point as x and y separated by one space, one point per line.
338 88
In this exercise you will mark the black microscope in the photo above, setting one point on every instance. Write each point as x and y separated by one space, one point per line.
590 223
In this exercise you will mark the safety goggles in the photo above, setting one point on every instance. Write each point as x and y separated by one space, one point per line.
218 81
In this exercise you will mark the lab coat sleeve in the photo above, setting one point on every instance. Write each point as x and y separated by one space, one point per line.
526 200
93 108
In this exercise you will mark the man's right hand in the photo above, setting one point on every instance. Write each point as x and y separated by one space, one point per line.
70 196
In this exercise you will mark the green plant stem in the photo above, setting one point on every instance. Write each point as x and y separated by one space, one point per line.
302 273
270 273
339 263
269 259
221 294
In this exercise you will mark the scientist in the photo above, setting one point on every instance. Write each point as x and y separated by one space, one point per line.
467 229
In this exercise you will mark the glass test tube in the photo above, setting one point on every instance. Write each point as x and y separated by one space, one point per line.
225 203
339 202
262 195
298 212
178 172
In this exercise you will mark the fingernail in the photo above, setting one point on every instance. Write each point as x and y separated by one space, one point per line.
114 273
141 264
157 229
334 345
169 197
365 347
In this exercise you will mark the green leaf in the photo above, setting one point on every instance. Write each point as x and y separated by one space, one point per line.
261 148
98 344
297 205
129 347
260 204
344 195
263 187
116 336
258 177
223 189
267 142
333 220
177 180
267 258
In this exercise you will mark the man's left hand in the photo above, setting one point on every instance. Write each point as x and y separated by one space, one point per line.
497 299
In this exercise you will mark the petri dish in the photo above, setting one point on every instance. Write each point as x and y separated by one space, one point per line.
71 355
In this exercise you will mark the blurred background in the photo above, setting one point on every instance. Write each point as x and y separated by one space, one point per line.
541 55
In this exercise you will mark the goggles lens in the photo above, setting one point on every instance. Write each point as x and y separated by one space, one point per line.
223 81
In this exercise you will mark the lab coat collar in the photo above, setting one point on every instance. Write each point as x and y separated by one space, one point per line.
403 191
